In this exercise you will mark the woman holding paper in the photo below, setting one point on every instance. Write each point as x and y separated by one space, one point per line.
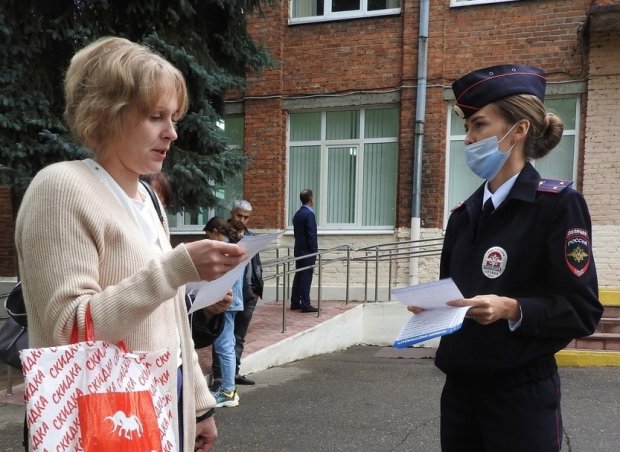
523 263
88 234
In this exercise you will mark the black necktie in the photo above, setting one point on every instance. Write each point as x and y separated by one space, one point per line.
487 210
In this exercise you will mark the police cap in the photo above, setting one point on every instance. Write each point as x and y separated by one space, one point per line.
483 86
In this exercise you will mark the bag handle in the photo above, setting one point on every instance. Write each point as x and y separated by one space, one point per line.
89 331
153 197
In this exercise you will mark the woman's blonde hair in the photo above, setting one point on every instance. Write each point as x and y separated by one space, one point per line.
546 128
110 75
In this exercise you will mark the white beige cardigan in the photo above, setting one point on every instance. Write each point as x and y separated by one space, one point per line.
76 246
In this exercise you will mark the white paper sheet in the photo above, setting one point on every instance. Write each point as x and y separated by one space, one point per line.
431 295
438 318
210 292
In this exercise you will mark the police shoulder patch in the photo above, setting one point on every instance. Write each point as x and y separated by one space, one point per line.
577 250
553 185
458 206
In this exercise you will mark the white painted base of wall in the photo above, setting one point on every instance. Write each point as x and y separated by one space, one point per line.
367 324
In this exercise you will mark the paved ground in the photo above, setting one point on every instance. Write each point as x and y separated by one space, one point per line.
365 399
362 399
271 324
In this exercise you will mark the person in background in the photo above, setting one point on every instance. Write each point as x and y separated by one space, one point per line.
161 185
88 235
224 345
524 265
252 290
305 230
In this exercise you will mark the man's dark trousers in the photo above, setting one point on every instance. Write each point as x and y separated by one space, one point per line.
302 281
242 323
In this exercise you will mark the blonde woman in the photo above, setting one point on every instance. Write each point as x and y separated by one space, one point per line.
87 233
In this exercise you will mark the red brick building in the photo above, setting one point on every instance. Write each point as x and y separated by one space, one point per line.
349 67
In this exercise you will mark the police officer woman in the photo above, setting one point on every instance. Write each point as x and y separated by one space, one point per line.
524 265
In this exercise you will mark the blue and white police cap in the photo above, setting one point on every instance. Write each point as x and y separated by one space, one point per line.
483 86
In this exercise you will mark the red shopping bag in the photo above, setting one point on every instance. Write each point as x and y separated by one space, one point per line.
95 396
118 421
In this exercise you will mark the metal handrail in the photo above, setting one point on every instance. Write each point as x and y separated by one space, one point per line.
285 274
385 252
378 253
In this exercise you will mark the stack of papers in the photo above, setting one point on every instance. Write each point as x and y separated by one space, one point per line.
208 293
437 319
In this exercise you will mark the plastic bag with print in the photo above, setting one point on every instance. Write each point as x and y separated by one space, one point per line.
96 396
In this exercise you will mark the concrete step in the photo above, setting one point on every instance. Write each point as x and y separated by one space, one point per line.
587 358
609 325
602 349
612 312
597 341
606 337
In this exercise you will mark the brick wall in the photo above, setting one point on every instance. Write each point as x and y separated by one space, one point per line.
332 59
265 179
379 54
8 258
601 162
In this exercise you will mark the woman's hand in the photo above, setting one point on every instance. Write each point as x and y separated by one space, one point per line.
213 258
220 306
414 309
486 309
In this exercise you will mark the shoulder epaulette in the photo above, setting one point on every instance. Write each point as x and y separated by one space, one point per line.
553 185
458 206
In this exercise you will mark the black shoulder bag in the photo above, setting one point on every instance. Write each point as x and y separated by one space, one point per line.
13 334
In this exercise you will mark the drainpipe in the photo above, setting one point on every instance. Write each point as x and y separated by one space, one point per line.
420 114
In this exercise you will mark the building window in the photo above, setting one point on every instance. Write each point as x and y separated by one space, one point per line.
349 160
560 163
303 11
477 2
232 128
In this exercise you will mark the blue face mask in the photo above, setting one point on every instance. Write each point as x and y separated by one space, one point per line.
484 157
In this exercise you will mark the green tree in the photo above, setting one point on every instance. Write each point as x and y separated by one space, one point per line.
206 39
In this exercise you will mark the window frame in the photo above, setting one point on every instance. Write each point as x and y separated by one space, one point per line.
325 145
460 3
329 16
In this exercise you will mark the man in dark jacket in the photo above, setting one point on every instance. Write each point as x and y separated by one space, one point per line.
304 224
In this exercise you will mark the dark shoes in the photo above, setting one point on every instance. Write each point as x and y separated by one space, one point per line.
298 307
239 380
243 380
